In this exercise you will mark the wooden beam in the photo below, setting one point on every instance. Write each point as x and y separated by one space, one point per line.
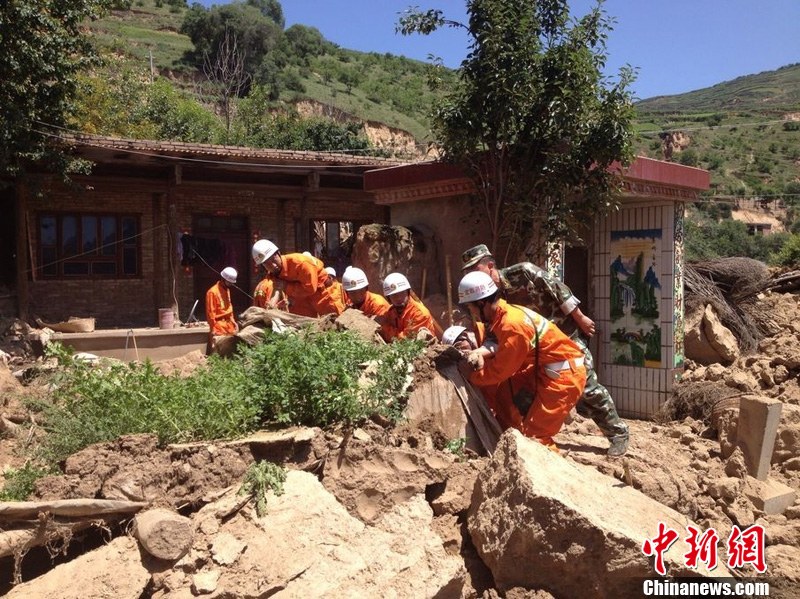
304 240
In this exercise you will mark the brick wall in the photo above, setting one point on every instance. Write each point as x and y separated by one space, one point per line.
161 207
113 302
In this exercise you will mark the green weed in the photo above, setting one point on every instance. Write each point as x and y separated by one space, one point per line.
19 482
260 478
456 447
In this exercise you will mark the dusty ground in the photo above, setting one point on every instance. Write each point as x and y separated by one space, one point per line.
376 468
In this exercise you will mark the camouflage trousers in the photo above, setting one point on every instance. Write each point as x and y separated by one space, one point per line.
596 402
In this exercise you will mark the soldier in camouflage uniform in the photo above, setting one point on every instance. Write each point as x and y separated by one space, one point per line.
528 285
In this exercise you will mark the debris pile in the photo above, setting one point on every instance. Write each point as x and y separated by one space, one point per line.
440 504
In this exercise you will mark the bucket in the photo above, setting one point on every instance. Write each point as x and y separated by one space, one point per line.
166 318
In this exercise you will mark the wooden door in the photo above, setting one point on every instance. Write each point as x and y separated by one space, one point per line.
225 241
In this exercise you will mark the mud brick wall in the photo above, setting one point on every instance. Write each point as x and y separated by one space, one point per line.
165 211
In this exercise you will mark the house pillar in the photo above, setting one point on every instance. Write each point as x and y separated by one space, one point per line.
22 249
160 243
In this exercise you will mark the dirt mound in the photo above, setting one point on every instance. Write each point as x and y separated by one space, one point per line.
135 468
182 366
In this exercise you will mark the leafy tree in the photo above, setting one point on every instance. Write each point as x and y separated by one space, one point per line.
271 9
179 118
256 35
306 42
789 254
532 118
44 47
113 104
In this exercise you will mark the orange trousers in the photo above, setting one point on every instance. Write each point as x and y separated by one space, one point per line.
554 399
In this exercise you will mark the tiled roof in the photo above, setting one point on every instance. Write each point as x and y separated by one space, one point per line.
226 153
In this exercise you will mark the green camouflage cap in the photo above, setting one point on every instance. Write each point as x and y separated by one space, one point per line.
473 255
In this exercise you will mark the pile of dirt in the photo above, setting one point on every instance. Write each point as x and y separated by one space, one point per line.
387 508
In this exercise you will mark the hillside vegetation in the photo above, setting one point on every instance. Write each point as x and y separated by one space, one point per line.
299 65
746 132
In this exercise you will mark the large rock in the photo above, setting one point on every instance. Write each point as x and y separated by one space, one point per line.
163 533
719 336
787 441
307 545
696 344
381 249
114 570
707 340
434 403
542 522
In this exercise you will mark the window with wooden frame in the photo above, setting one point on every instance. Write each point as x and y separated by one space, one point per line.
88 246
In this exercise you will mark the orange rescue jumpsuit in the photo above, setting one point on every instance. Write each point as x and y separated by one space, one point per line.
338 292
374 305
406 324
219 310
555 383
263 292
306 286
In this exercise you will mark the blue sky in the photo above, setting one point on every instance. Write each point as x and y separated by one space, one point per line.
677 45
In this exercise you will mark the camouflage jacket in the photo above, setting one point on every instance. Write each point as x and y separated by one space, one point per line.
528 285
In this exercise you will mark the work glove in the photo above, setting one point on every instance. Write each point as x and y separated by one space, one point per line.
475 360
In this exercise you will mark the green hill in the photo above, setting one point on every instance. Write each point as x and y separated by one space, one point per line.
370 86
739 130
771 91
745 131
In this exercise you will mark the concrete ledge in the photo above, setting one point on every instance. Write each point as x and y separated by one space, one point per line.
153 343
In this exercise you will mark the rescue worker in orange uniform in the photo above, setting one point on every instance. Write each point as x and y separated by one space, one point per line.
336 287
408 316
355 284
538 370
262 296
219 310
303 279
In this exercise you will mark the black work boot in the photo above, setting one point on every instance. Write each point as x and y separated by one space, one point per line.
618 447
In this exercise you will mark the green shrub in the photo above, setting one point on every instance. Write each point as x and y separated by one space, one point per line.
19 482
688 157
789 254
260 478
310 378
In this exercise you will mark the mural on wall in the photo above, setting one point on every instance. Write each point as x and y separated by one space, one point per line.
677 315
635 297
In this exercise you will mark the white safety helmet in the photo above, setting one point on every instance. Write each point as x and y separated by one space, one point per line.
395 283
229 274
475 286
330 270
263 250
354 279
451 334
309 254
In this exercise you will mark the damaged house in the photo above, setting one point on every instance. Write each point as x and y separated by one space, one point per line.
155 221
